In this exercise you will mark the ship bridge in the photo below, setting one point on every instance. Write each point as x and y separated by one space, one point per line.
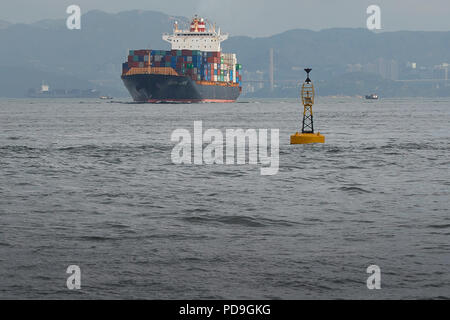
197 37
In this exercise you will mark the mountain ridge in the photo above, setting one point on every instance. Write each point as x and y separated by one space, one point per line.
95 53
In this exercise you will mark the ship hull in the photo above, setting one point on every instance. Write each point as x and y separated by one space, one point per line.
157 88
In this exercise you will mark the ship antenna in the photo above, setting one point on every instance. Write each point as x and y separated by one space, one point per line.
209 24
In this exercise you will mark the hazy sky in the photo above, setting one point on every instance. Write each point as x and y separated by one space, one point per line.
257 17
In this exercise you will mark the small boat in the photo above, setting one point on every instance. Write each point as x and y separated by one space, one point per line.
106 98
372 97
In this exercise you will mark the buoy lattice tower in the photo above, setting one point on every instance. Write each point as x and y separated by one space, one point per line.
307 135
308 101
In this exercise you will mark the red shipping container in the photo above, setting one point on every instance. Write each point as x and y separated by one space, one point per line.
142 52
186 52
130 58
216 54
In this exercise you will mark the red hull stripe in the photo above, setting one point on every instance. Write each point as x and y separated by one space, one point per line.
188 100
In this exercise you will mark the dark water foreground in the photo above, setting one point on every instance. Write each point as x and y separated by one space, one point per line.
92 184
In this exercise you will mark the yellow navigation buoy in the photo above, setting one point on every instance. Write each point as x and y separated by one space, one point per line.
307 135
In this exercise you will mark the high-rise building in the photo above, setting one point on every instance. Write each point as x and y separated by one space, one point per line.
271 69
393 70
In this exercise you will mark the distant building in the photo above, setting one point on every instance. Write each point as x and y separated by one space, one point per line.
411 65
370 68
441 71
384 68
254 81
354 68
393 70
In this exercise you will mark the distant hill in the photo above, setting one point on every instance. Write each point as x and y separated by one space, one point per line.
333 49
92 56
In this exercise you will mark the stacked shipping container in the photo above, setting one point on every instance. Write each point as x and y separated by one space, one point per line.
198 65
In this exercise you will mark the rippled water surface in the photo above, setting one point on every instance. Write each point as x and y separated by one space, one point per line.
92 184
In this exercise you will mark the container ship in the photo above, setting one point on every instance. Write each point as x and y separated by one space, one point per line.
194 70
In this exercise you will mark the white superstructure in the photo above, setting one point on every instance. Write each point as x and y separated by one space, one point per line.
196 38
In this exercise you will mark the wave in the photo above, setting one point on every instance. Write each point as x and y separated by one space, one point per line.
439 226
415 146
354 189
89 148
245 221
16 148
115 148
